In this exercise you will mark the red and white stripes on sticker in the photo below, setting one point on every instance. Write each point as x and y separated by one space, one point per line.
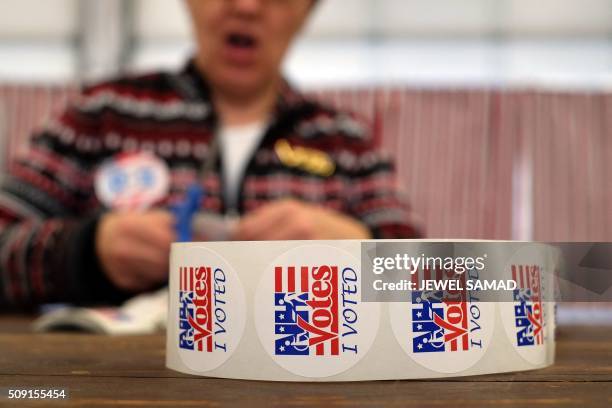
186 279
199 281
528 277
285 282
324 303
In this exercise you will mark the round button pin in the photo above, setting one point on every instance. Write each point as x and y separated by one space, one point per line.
131 182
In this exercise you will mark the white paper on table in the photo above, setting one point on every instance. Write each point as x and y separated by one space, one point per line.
143 314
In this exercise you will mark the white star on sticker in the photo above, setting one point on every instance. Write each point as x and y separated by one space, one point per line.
419 314
281 316
282 348
420 346
419 327
282 329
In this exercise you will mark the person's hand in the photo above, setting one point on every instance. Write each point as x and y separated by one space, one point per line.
134 248
296 220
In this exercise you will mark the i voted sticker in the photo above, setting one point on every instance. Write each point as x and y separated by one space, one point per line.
211 309
132 182
309 314
525 317
444 331
293 311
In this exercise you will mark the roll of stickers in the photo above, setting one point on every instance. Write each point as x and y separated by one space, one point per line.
297 311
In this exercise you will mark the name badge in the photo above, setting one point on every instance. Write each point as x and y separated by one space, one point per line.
310 160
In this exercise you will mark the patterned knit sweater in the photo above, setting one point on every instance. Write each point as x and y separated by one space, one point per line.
49 211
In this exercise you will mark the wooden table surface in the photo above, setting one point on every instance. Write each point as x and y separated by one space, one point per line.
103 371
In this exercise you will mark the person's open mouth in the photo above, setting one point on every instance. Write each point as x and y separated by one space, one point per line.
241 40
240 48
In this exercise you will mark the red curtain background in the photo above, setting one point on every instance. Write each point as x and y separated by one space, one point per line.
475 163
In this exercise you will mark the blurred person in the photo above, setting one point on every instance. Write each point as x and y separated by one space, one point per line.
289 166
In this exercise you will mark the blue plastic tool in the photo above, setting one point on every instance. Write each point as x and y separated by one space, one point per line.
186 210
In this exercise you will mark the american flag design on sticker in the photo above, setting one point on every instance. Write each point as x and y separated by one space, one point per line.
443 321
195 309
306 312
528 311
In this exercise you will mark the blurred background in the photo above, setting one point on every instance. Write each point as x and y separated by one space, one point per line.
566 43
499 112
